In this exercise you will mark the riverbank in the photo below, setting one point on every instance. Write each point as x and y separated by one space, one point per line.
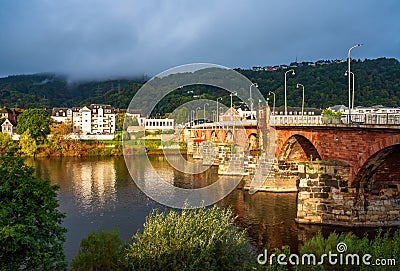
80 148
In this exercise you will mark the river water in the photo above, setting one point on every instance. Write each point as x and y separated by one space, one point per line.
99 193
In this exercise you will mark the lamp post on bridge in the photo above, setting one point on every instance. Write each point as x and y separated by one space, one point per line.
302 103
273 106
232 94
251 100
352 99
291 70
231 113
204 113
192 115
217 109
349 75
197 113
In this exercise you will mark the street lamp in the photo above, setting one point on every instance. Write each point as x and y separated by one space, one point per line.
232 94
273 107
231 109
349 74
251 100
217 109
192 115
197 113
352 99
302 103
291 70
205 112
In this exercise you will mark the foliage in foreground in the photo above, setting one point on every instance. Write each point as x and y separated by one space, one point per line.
99 251
207 239
383 246
31 237
196 239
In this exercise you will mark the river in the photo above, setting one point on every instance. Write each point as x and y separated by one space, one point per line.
99 193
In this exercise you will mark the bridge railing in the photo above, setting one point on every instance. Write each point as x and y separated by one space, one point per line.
354 119
285 119
373 119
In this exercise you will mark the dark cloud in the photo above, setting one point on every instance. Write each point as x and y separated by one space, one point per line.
99 38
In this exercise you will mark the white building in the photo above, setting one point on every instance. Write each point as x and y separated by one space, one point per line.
159 124
93 119
151 124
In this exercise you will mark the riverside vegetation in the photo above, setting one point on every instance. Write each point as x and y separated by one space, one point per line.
35 124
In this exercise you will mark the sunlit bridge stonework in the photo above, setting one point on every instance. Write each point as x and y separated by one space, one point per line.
345 171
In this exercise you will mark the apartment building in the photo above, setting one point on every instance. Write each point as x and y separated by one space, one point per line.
92 119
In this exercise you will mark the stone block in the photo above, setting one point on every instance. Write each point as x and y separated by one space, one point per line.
343 218
337 197
313 176
321 195
303 182
338 212
326 177
394 212
326 189
388 202
332 183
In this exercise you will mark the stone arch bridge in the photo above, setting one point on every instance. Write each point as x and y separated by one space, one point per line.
369 195
365 149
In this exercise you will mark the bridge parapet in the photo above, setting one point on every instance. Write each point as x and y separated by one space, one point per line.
391 121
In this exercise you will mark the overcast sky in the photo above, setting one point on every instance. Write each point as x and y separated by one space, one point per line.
103 38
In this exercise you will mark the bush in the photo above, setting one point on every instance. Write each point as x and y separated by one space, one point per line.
99 251
196 239
383 246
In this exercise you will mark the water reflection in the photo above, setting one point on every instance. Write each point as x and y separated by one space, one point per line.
99 193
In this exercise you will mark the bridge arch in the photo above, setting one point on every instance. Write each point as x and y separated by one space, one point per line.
228 137
380 171
298 148
253 142
213 136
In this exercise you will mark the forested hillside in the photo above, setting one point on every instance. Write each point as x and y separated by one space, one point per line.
376 82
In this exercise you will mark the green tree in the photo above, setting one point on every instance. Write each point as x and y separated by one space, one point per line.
181 115
119 120
330 116
27 144
37 121
130 121
196 239
99 251
7 144
31 237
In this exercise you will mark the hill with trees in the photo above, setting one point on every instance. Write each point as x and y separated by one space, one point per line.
377 82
